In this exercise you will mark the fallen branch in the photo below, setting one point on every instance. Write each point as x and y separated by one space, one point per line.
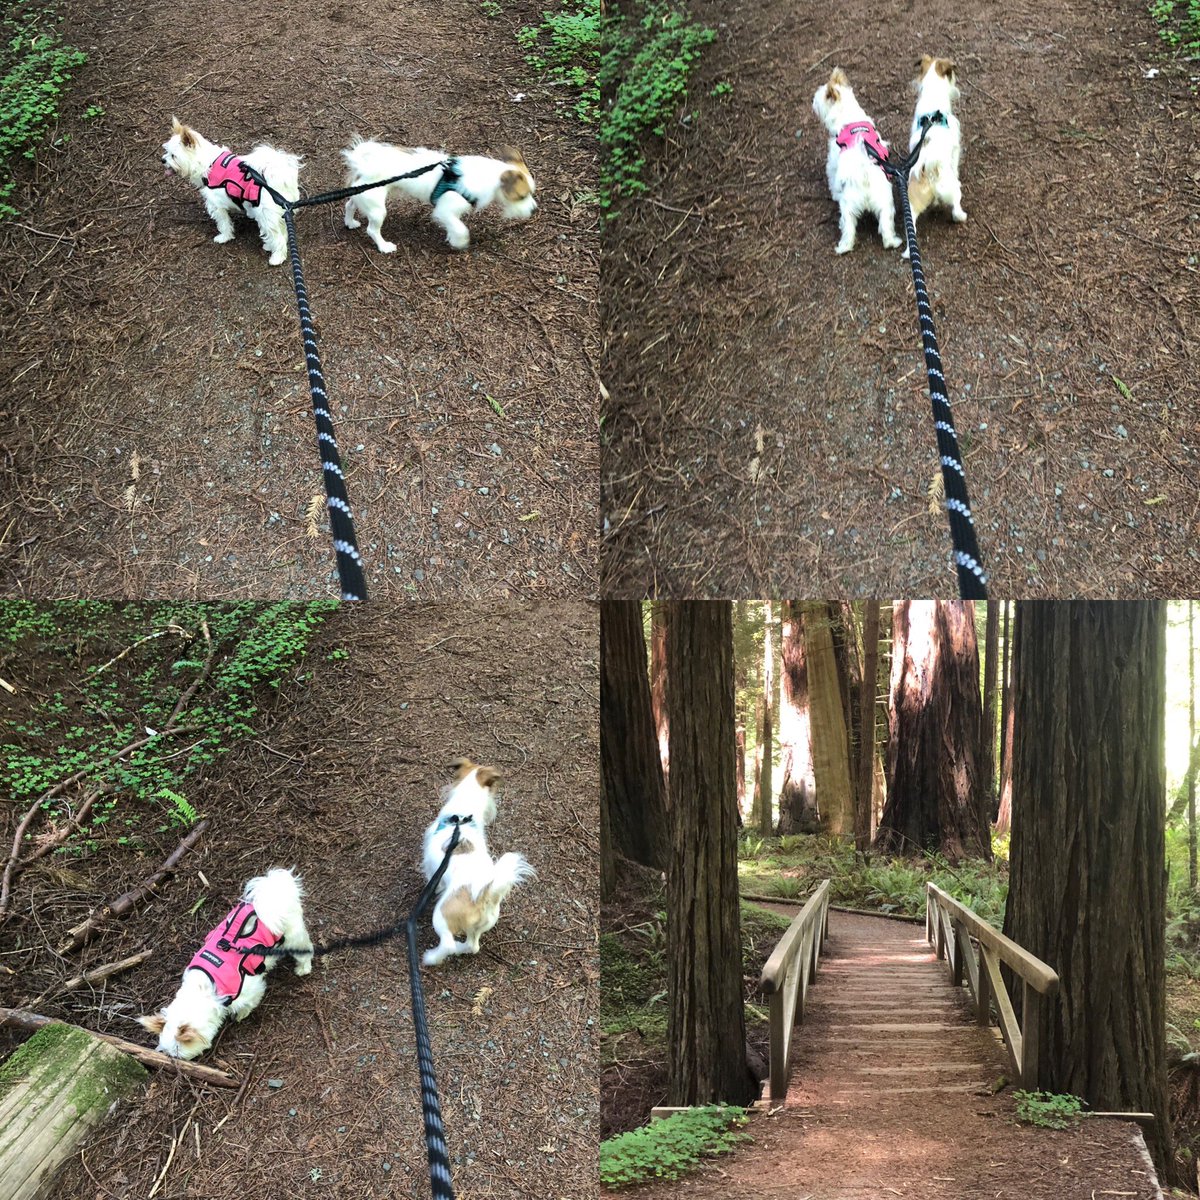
21 1018
116 658
122 904
96 974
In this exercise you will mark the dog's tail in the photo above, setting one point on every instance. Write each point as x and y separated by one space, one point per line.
508 871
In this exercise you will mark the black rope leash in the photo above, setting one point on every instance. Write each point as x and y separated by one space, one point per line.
440 1183
972 579
351 579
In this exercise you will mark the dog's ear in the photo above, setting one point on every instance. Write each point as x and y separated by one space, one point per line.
154 1022
514 185
488 777
927 61
461 767
946 68
838 77
510 154
186 136
191 1037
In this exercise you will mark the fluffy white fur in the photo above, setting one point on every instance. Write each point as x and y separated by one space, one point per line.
474 887
934 177
190 1023
189 155
855 181
505 181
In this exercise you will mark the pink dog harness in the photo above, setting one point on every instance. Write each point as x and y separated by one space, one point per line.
227 954
861 131
227 173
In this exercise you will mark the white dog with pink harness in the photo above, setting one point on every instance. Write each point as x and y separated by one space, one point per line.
226 977
856 181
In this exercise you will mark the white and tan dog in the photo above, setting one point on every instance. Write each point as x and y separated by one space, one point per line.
454 185
856 182
473 887
226 977
934 177
194 158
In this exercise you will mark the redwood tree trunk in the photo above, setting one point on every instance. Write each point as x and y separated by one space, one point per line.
766 782
991 645
1088 878
866 725
1004 801
658 680
934 800
706 1031
631 772
797 788
828 694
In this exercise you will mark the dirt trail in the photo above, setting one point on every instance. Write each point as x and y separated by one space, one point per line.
125 332
342 785
907 1111
770 431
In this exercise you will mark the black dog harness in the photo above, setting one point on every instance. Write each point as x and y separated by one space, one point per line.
451 181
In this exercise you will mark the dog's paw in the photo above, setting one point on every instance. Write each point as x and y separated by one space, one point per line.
431 958
304 965
222 238
891 243
278 258
386 247
959 215
459 241
844 247
353 222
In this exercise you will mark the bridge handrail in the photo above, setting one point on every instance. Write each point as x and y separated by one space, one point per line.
951 926
785 980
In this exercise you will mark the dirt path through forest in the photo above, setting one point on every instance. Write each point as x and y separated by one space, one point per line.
159 440
890 1096
770 430
342 785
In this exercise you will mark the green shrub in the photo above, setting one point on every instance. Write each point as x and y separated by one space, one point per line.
565 48
648 57
36 68
1178 24
666 1149
1048 1109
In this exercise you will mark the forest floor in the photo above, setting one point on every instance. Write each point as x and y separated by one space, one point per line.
770 430
872 1112
341 783
158 437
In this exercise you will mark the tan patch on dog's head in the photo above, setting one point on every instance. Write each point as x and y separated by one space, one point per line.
461 767
190 1037
945 67
465 846
514 185
837 80
510 154
488 777
153 1023
187 137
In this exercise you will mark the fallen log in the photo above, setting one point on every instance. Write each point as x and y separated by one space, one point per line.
22 1018
84 931
53 1091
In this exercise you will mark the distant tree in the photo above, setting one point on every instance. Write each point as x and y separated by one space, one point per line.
829 687
1004 802
706 1030
1191 773
865 784
991 646
934 798
658 680
1087 877
766 751
631 771
797 789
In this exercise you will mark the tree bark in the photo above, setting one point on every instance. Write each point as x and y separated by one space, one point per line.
934 800
991 646
828 689
706 1031
766 782
658 682
1191 775
1088 880
631 771
866 724
1004 801
797 789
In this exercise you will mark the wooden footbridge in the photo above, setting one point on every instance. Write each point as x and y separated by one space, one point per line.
888 1045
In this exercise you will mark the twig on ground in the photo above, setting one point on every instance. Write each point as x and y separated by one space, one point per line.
21 1018
123 903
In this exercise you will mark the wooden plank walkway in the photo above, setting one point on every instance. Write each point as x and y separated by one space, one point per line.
891 1096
